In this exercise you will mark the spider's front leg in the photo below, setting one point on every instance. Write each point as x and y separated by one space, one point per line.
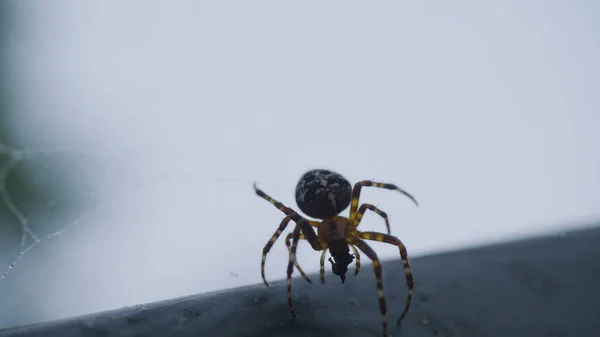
272 241
365 248
280 206
357 263
361 212
307 229
322 265
360 184
269 245
302 227
290 268
374 236
288 238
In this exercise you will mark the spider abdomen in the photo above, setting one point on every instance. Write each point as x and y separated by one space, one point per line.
322 193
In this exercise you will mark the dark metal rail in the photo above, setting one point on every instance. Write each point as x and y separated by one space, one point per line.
548 286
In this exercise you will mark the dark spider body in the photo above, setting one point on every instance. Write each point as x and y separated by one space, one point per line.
324 194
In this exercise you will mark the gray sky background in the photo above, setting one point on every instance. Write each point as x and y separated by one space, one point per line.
485 111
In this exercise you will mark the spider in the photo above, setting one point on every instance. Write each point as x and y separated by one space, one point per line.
323 194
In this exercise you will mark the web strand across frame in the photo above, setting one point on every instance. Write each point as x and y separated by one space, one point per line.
30 237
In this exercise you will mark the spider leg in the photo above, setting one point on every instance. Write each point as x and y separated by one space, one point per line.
322 269
357 255
269 244
306 226
374 236
290 268
280 206
322 265
361 212
365 248
360 184
287 243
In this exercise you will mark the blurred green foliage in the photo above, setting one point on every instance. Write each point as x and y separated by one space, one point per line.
42 187
9 224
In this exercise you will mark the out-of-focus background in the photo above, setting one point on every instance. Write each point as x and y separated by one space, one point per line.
131 133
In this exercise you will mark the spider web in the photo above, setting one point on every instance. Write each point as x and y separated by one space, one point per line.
30 237
35 225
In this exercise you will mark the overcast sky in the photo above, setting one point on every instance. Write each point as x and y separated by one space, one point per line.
484 110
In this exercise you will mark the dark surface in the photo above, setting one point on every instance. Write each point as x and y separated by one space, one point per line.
542 287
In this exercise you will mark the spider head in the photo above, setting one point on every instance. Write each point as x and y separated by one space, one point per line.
322 193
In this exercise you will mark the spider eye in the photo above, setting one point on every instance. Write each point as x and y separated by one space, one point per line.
322 193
